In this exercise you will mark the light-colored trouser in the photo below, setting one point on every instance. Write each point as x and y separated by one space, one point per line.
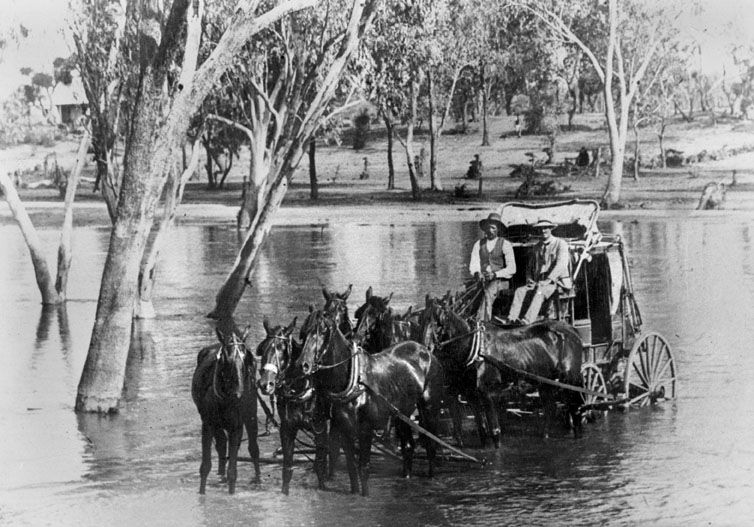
542 291
491 290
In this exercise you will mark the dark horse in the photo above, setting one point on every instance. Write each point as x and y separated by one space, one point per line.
377 327
549 349
362 388
452 350
223 390
298 406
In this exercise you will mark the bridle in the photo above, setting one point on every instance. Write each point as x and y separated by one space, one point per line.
232 357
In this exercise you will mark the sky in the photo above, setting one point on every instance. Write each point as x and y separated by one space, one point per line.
723 22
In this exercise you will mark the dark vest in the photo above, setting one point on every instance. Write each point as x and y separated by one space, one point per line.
495 259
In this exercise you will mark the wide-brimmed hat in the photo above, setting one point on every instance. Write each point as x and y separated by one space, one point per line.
493 218
544 224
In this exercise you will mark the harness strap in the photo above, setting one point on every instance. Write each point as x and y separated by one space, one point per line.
352 390
543 380
418 428
477 345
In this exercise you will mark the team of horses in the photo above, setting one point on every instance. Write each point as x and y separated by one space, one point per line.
341 383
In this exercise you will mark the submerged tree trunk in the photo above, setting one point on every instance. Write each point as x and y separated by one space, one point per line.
65 252
52 292
157 131
174 188
314 190
42 272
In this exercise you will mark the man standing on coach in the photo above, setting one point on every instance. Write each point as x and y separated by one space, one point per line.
493 262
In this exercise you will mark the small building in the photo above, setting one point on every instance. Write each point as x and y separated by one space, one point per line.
70 101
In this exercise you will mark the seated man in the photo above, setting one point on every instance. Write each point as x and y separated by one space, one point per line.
582 160
492 260
548 269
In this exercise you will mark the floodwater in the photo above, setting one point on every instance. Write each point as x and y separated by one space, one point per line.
686 463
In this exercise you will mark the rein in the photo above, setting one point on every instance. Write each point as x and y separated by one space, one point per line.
352 388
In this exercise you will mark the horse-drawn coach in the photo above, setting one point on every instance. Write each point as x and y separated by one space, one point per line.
342 381
625 364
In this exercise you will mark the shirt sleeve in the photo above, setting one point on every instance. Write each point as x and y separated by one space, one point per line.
474 265
510 261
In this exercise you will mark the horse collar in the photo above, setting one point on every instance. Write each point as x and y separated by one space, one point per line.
353 389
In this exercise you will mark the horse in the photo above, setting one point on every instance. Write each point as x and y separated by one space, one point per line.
223 391
366 389
460 373
548 349
298 406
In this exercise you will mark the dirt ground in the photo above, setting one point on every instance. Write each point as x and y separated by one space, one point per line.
343 194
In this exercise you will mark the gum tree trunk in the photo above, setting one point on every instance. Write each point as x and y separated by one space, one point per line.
151 148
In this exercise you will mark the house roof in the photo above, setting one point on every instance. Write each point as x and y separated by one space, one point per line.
73 93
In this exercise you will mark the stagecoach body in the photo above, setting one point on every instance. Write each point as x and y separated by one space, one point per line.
621 360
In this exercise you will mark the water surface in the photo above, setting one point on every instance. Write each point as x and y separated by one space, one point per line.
688 463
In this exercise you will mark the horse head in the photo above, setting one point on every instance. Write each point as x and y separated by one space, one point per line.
231 365
276 352
320 325
336 305
374 322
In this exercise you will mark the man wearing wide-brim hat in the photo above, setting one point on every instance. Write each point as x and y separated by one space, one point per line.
548 269
492 261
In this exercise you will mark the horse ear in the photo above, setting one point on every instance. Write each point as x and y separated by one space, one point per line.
427 300
311 308
389 298
289 329
409 311
369 293
266 324
346 293
326 294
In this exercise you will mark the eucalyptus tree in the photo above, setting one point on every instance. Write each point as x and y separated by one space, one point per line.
104 39
635 31
399 51
158 124
287 95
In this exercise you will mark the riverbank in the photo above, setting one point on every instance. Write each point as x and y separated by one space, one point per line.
345 195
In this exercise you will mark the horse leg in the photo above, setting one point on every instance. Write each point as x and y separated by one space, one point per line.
574 410
206 465
321 451
365 452
454 406
287 440
221 445
333 449
479 417
430 419
252 431
347 442
490 410
234 440
403 431
547 397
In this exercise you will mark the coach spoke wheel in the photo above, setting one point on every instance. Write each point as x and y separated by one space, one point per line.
650 375
592 380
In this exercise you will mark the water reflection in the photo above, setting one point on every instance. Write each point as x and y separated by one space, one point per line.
694 280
